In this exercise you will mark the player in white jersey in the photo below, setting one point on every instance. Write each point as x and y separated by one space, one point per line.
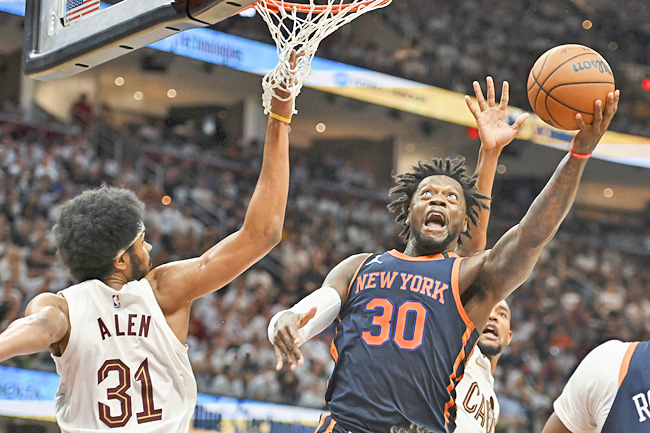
478 407
118 337
609 392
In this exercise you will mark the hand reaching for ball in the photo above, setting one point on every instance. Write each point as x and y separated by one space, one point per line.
589 135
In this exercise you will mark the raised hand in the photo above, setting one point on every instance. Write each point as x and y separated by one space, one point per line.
283 104
589 135
493 129
286 338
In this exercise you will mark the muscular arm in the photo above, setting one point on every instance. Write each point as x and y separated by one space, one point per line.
177 284
261 231
499 272
495 134
45 323
485 168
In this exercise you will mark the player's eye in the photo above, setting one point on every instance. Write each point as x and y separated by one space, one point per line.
453 195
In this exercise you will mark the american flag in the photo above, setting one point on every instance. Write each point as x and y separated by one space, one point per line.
77 9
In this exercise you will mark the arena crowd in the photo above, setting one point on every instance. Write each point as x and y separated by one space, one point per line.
451 44
589 286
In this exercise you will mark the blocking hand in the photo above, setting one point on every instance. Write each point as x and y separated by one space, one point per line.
493 129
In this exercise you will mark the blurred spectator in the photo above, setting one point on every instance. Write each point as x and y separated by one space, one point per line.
445 45
81 113
590 282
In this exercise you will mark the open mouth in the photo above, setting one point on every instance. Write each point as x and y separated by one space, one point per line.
435 220
490 329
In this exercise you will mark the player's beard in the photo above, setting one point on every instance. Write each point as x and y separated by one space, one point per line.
138 268
427 246
490 350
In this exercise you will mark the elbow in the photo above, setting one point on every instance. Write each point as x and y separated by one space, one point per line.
264 234
270 236
274 237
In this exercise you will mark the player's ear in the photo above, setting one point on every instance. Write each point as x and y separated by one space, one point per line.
509 338
465 224
121 262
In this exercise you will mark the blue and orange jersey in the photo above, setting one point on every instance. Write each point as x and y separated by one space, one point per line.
400 345
630 412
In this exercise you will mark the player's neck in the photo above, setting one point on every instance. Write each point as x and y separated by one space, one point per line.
413 249
494 360
115 280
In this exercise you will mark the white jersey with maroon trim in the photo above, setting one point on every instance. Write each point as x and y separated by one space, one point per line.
123 367
478 407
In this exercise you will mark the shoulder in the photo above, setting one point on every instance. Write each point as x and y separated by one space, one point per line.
473 264
601 364
478 368
352 263
470 267
591 389
358 258
47 300
609 349
52 310
341 276
604 360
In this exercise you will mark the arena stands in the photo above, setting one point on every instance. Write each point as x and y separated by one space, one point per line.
589 285
450 44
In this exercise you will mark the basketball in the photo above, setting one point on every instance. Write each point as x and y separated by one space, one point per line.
566 80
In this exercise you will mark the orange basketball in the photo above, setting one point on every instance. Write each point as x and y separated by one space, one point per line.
566 80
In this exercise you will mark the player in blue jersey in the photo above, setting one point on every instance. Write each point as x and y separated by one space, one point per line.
408 320
608 393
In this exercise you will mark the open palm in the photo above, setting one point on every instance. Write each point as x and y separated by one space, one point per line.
493 129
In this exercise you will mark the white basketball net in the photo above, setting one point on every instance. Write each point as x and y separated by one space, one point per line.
308 29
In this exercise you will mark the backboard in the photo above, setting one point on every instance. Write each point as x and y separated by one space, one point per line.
59 44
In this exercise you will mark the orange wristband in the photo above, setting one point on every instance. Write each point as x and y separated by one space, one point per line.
579 155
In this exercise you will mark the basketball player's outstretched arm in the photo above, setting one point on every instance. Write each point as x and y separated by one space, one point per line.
495 274
45 324
178 283
495 134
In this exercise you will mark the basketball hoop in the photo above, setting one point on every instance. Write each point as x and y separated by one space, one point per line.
276 5
301 27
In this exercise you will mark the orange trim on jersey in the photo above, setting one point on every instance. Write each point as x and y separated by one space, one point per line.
403 256
347 295
331 426
626 362
452 376
334 352
460 357
455 271
322 420
470 355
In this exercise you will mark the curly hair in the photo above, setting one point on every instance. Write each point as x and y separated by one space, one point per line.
93 227
455 168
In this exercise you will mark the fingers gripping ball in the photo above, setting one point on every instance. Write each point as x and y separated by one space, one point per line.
566 80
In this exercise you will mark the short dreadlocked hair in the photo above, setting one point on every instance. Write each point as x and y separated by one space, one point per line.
455 168
93 227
